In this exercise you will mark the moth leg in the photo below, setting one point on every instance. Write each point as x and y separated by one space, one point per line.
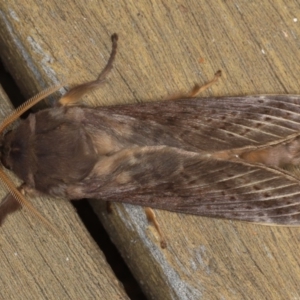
8 206
199 89
109 208
152 218
73 96
196 90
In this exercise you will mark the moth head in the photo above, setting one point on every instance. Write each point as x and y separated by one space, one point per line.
6 147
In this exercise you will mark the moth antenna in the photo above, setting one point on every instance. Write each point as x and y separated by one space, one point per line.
73 96
21 199
26 105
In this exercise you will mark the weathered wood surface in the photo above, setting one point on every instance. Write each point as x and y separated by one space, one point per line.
164 47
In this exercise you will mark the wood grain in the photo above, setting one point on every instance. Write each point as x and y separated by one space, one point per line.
166 47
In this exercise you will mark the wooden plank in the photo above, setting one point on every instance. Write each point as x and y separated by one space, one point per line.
37 265
166 47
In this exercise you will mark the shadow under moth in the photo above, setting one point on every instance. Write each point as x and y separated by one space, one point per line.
231 157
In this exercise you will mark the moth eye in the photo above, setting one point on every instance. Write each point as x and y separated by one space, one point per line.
5 162
60 127
7 135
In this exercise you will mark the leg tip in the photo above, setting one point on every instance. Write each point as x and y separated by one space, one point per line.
114 37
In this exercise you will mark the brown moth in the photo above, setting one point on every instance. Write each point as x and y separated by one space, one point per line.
231 157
